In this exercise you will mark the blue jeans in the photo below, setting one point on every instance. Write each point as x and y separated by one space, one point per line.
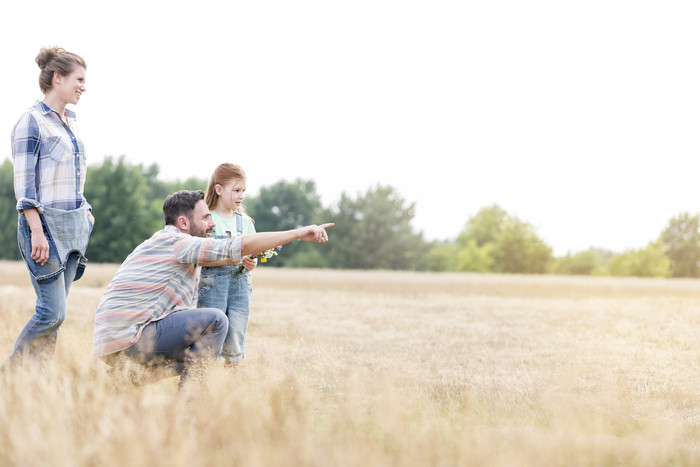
39 335
219 288
182 341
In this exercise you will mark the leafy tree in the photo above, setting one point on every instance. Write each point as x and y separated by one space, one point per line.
124 213
8 213
160 190
374 232
305 258
499 242
284 206
648 262
440 256
519 250
475 258
681 243
584 263
484 227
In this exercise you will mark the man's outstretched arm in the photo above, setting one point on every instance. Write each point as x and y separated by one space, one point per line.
261 241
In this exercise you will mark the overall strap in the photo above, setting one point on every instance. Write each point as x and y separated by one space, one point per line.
239 223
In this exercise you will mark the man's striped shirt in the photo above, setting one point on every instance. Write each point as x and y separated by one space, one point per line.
158 278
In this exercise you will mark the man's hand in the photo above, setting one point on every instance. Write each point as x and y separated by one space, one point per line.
252 244
314 233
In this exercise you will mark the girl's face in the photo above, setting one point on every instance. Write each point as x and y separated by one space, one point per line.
231 194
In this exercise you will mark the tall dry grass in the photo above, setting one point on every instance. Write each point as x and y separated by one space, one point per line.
383 368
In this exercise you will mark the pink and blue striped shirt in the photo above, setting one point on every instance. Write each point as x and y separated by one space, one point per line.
158 278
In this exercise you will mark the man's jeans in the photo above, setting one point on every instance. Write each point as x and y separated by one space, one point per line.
219 288
183 341
39 335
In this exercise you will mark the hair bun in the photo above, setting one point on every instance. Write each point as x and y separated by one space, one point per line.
46 54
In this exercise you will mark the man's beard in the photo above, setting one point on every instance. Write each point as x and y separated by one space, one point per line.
197 232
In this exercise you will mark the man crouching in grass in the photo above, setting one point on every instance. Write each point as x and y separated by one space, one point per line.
147 313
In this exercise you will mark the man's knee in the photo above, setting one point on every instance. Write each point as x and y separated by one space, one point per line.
218 322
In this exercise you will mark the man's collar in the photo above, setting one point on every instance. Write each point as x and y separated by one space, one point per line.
172 228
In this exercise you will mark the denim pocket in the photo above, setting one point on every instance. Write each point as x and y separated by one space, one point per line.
67 226
207 280
213 288
212 278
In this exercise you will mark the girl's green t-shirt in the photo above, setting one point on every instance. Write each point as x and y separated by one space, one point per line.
224 225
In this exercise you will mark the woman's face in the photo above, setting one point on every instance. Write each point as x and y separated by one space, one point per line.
231 194
72 86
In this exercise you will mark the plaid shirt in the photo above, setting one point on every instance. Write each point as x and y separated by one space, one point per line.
158 278
49 160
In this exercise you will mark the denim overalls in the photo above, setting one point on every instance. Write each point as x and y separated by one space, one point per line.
68 233
220 287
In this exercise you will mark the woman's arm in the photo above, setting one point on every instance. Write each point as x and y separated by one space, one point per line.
26 144
26 141
40 246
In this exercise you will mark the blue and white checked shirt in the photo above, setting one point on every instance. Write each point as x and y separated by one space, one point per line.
49 160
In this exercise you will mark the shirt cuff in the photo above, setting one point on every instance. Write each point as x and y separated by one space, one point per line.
28 203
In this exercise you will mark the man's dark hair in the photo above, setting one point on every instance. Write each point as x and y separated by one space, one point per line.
180 203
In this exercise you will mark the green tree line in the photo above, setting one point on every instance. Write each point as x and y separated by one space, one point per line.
374 230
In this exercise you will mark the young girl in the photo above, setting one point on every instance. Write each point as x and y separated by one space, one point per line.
223 287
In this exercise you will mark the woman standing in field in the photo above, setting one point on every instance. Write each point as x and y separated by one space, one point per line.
55 221
229 287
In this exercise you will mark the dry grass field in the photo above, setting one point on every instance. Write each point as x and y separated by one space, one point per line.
383 368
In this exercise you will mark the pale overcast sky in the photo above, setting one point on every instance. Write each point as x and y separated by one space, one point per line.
580 118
